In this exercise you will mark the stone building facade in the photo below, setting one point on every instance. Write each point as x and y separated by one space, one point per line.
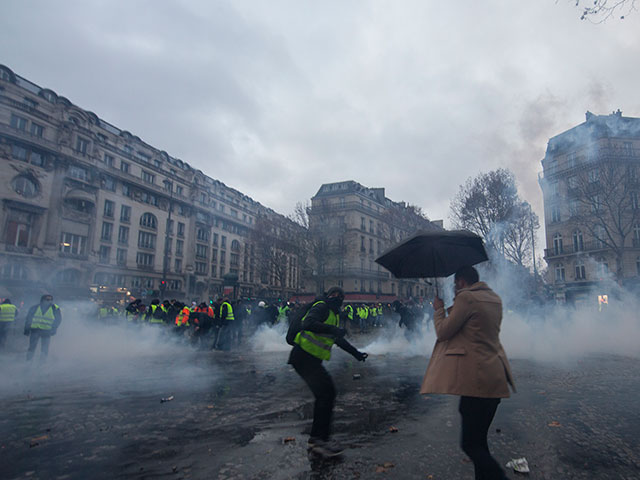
90 208
353 225
590 182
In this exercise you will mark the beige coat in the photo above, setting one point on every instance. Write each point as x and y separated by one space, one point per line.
468 358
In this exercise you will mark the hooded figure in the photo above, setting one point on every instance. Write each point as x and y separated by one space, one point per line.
320 330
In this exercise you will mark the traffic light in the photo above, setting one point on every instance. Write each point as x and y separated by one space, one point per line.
163 285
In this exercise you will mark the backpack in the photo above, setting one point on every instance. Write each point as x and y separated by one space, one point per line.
295 321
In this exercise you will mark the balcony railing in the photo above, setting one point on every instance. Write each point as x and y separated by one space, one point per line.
571 249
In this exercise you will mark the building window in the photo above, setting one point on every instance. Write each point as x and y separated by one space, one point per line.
559 272
180 229
144 259
179 190
107 230
104 254
148 220
215 239
82 145
36 158
234 260
170 226
73 244
636 235
202 234
223 256
126 190
109 208
124 167
19 123
363 225
108 160
36 130
557 244
603 268
214 255
125 213
555 213
123 235
14 271
79 173
578 243
634 200
235 246
121 257
19 153
148 177
201 251
150 198
146 240
362 246
178 265
371 245
638 265
18 233
580 270
109 184
179 247
25 186
201 268
223 242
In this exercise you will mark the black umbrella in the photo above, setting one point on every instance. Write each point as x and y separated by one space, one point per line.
433 253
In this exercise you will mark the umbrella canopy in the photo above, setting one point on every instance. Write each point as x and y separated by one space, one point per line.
433 253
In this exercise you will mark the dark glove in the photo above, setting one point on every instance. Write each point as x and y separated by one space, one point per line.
360 356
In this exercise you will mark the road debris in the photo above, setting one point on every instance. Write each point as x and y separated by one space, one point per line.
384 467
36 441
167 399
286 440
393 429
519 465
554 424
357 376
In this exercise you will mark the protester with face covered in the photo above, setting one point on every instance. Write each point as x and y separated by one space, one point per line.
468 360
320 330
42 323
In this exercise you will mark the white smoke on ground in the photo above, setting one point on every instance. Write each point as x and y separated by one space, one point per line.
116 355
399 341
545 333
268 338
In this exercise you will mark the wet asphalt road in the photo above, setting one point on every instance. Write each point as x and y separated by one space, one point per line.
231 413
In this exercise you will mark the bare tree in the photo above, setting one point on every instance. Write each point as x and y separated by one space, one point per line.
605 202
273 238
402 221
490 206
600 10
518 237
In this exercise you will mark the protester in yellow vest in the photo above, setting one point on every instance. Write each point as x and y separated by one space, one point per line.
8 314
320 330
42 323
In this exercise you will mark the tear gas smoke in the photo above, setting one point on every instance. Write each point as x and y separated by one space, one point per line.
531 330
269 338
108 356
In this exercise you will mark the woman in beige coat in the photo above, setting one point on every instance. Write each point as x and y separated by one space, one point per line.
468 360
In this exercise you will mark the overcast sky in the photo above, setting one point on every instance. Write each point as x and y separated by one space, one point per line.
275 98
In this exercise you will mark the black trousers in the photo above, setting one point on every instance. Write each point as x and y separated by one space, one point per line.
45 337
321 385
477 415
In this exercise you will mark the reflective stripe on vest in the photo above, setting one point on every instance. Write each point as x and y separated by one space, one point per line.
314 343
7 312
153 318
43 321
229 311
183 317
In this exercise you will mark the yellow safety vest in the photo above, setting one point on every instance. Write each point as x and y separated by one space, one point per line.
183 317
43 321
349 310
152 318
314 343
229 311
7 312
